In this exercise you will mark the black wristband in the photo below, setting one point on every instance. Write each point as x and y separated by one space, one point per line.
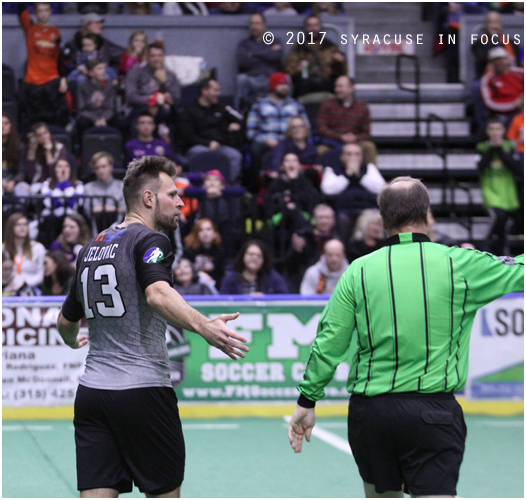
306 402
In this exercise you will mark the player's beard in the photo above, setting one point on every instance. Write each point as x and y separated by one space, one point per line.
164 221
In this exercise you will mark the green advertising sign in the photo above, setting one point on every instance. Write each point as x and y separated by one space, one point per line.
279 334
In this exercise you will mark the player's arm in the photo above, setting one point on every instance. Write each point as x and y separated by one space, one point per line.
154 276
69 316
69 331
166 301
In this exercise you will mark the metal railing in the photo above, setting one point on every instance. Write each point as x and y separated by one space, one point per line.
414 90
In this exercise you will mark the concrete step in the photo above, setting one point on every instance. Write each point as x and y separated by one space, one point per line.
429 92
388 75
458 197
429 161
449 111
408 129
460 233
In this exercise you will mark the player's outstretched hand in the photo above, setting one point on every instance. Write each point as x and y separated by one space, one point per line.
301 424
217 334
79 342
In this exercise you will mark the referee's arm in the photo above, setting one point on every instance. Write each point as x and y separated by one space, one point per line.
331 345
330 348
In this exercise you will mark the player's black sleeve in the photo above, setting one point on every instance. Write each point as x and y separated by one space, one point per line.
72 309
150 267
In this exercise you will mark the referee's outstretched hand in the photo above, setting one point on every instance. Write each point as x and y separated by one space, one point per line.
217 334
301 424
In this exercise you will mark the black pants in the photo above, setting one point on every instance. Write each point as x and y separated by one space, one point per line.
44 103
497 233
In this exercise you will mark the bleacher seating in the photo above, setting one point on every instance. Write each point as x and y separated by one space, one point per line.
97 139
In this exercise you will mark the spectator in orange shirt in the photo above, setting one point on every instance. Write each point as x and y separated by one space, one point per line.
44 82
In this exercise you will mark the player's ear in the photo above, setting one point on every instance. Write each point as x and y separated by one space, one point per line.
147 198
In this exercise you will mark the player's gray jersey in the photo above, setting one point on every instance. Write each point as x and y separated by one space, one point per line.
127 346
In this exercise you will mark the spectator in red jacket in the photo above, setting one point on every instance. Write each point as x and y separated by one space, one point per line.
344 120
501 86
44 82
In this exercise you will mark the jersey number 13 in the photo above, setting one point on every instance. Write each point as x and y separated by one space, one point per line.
104 272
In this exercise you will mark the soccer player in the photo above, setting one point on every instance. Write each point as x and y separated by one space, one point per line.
127 425
412 305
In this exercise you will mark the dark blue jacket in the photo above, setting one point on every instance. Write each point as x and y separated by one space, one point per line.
270 283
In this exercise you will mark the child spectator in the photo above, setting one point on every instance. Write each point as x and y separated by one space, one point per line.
27 255
323 276
368 235
44 82
253 273
135 53
74 235
498 168
88 53
188 282
203 248
96 99
42 153
58 274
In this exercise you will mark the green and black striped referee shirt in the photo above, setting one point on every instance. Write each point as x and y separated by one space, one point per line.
412 305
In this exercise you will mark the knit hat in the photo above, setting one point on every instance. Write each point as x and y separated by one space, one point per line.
277 79
91 17
217 173
497 52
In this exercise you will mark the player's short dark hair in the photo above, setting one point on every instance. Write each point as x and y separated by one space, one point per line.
143 173
93 62
156 45
205 84
145 113
403 206
494 120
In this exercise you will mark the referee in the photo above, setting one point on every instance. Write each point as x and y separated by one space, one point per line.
412 305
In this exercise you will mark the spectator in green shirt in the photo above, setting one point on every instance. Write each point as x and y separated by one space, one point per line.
498 168
411 305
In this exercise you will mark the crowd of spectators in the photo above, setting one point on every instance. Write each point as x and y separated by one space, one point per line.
255 149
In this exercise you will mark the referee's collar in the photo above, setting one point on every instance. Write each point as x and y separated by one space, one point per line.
406 238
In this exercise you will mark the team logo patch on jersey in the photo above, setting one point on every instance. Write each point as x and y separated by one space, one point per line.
153 255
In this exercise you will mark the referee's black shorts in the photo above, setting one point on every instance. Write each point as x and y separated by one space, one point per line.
412 441
133 435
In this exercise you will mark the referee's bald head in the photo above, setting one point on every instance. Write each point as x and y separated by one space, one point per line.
403 202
